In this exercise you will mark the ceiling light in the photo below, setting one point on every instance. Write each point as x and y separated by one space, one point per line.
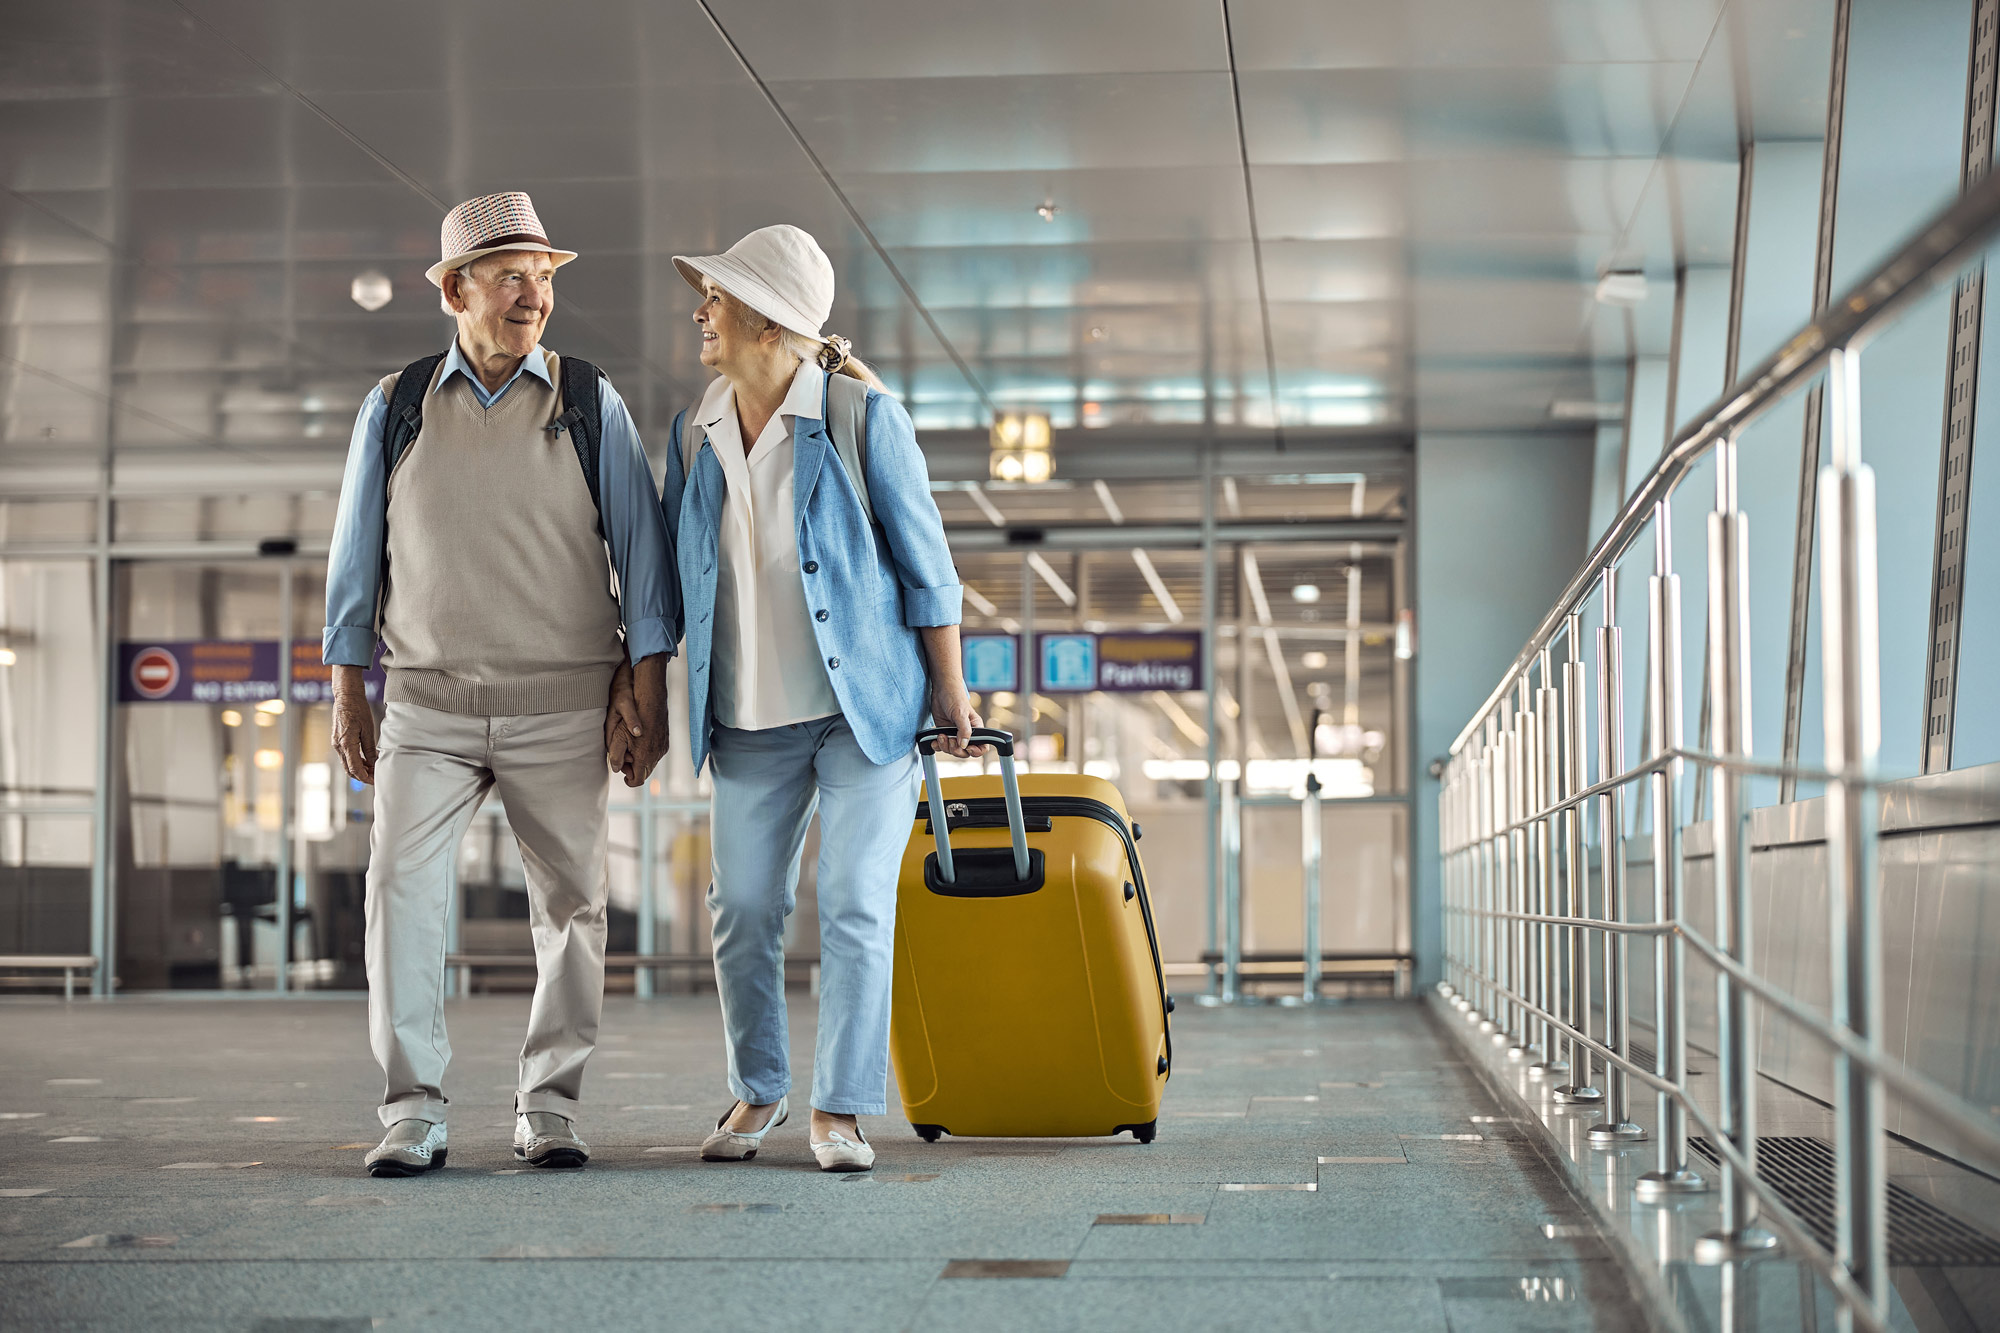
372 290
231 718
1313 661
8 657
1019 448
271 706
1621 287
1098 333
1582 409
1048 210
269 759
1307 593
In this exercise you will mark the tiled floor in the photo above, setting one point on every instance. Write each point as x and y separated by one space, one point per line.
214 1149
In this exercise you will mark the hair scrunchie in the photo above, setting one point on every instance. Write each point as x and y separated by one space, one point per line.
833 354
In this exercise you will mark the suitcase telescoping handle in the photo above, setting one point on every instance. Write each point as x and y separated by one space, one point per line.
1017 825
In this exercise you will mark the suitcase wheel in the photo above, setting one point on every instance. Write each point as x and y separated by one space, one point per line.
1144 1133
929 1133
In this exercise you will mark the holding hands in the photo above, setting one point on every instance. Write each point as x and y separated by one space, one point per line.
635 720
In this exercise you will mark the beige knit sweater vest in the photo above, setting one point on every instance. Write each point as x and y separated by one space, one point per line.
498 598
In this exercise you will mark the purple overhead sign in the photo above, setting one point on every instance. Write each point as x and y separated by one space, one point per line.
224 671
1117 663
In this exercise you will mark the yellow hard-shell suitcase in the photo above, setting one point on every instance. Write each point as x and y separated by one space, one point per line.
1029 1000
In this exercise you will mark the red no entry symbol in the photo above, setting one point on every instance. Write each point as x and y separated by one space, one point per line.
155 672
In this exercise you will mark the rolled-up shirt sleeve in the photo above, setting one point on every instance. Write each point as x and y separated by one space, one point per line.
354 562
635 531
899 491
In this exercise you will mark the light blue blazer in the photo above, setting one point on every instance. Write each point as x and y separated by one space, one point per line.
875 583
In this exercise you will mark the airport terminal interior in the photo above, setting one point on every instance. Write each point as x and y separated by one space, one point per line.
1493 492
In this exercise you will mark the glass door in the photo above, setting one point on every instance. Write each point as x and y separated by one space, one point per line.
241 844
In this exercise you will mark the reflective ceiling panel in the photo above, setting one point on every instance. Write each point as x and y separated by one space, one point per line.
1047 204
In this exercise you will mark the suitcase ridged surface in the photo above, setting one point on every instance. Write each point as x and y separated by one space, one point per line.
1034 1014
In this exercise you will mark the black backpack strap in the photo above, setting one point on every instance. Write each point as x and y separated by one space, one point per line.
582 417
406 410
400 428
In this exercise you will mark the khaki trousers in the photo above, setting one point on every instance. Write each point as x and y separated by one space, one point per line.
432 771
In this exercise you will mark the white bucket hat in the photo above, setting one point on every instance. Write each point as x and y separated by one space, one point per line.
780 272
487 225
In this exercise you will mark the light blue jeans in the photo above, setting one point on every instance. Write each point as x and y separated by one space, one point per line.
767 784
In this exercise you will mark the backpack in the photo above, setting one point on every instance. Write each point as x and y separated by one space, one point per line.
846 424
577 392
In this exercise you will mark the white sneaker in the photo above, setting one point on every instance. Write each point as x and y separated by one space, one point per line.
410 1148
841 1153
544 1138
729 1145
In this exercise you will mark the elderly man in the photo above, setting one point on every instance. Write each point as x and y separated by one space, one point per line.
484 488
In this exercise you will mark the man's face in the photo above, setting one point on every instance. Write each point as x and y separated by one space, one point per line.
503 301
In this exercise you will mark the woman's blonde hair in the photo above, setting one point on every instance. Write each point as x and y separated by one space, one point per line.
830 354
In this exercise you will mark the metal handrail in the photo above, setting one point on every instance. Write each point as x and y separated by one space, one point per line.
1517 803
1961 1115
1941 247
1776 1210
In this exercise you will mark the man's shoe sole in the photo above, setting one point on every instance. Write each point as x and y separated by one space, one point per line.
385 1169
561 1159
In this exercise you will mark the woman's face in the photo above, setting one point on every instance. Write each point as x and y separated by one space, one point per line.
731 332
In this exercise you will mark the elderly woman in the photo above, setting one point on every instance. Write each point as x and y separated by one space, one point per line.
821 612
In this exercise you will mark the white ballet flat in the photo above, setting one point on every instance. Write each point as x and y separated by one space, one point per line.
729 1145
840 1153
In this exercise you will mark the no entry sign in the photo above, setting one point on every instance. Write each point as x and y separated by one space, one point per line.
154 672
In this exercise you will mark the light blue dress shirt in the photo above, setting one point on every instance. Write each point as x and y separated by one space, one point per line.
648 596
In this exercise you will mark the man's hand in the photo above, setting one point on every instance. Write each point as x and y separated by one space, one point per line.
353 724
635 722
621 720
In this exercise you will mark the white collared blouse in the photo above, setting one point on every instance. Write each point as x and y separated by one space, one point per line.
768 671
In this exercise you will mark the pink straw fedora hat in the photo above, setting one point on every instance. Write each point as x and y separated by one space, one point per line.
780 272
491 223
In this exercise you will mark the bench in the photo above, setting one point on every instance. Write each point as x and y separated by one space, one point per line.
68 964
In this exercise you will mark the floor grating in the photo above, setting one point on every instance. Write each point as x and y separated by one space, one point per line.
1921 1235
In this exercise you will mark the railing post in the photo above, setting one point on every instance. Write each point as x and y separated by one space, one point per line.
1232 888
642 976
1579 1089
1489 873
1461 885
1548 790
1663 711
1520 1026
1582 1090
1617 1125
1465 765
1736 1037
1309 865
1505 1013
1849 649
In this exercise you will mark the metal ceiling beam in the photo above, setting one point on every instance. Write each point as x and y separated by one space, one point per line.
847 205
1256 238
